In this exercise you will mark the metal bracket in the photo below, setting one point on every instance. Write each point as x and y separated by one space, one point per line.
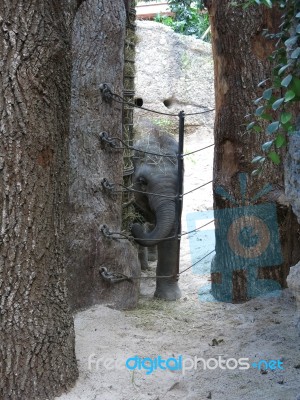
106 92
107 185
112 277
104 137
106 232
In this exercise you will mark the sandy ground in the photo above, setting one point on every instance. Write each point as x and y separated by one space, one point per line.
261 329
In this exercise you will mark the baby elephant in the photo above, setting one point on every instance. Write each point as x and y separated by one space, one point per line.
156 181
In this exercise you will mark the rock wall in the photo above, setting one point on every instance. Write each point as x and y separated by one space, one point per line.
173 73
292 174
292 190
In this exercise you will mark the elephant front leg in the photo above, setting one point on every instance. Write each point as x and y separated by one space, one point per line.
167 288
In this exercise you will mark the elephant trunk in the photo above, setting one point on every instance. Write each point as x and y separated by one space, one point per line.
165 214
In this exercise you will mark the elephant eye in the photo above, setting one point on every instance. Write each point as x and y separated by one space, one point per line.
142 181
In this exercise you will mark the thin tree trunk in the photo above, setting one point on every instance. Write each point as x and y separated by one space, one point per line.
241 62
36 328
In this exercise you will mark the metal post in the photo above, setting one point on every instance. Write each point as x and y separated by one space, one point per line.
180 183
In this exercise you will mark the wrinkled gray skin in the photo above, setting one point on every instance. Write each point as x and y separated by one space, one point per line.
156 174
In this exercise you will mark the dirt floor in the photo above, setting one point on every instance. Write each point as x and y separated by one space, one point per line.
218 334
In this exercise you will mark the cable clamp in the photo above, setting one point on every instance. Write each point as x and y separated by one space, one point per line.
112 277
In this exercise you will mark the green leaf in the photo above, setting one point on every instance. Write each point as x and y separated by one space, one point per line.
262 82
296 85
274 157
267 94
288 127
277 103
257 128
271 101
287 80
298 28
250 126
282 69
276 81
280 141
268 3
285 117
273 127
266 116
256 172
290 94
291 41
296 53
266 146
257 159
259 110
256 101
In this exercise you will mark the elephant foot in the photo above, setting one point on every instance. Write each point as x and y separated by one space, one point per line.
167 290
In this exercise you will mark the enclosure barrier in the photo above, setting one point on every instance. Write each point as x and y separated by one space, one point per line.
112 187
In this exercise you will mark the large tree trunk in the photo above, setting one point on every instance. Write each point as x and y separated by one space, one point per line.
36 328
241 62
98 43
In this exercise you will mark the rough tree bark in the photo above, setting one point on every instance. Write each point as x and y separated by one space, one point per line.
37 358
98 43
241 62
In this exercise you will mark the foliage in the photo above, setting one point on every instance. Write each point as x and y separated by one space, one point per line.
187 20
268 3
282 90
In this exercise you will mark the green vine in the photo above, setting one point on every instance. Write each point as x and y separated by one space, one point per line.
282 90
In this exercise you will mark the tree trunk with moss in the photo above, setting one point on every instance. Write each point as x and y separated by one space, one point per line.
37 355
253 252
